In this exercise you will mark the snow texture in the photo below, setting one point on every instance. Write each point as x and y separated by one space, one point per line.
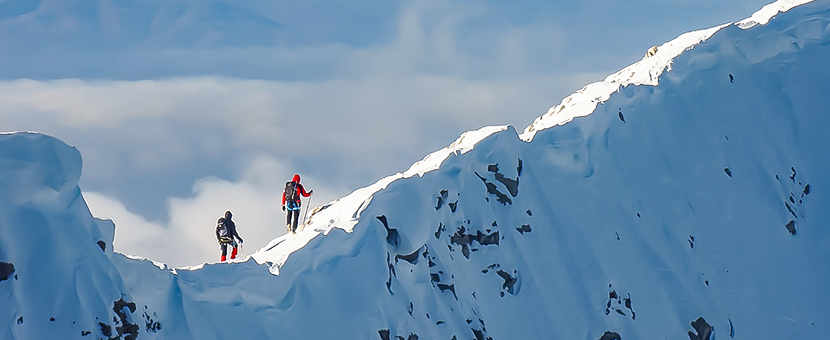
684 196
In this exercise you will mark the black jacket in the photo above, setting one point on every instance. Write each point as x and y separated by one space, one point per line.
231 230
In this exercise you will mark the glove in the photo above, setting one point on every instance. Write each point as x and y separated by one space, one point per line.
283 208
240 240
311 192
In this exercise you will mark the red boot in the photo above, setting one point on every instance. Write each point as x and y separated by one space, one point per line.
233 253
223 258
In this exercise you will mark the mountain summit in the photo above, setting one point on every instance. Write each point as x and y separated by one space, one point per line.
683 196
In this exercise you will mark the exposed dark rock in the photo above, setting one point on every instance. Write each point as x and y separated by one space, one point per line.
791 227
392 236
487 239
702 328
618 235
441 199
728 172
792 177
450 287
478 334
732 329
509 281
106 330
85 333
519 168
127 329
391 273
453 206
384 334
103 245
492 266
615 301
731 78
465 240
524 229
426 256
529 213
790 209
6 271
150 325
20 320
411 258
806 190
511 184
692 241
610 336
441 228
492 189
622 118
411 308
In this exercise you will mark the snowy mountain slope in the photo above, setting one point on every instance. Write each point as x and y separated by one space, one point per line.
57 268
690 207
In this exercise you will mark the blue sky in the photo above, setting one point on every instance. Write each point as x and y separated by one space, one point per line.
183 109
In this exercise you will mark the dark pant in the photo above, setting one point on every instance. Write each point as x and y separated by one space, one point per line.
224 247
292 214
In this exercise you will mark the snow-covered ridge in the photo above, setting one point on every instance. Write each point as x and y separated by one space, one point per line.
644 72
345 212
765 14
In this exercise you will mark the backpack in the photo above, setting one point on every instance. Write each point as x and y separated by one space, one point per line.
224 233
291 193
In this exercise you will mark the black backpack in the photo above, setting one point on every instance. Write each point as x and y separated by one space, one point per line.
291 193
224 233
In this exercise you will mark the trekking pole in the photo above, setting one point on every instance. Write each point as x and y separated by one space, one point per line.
305 215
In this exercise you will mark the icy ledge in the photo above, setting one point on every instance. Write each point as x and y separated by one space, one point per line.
344 213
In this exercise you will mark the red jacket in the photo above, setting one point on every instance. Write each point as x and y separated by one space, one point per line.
300 189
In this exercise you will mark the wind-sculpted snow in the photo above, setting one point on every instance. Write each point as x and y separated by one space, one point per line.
684 198
56 282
